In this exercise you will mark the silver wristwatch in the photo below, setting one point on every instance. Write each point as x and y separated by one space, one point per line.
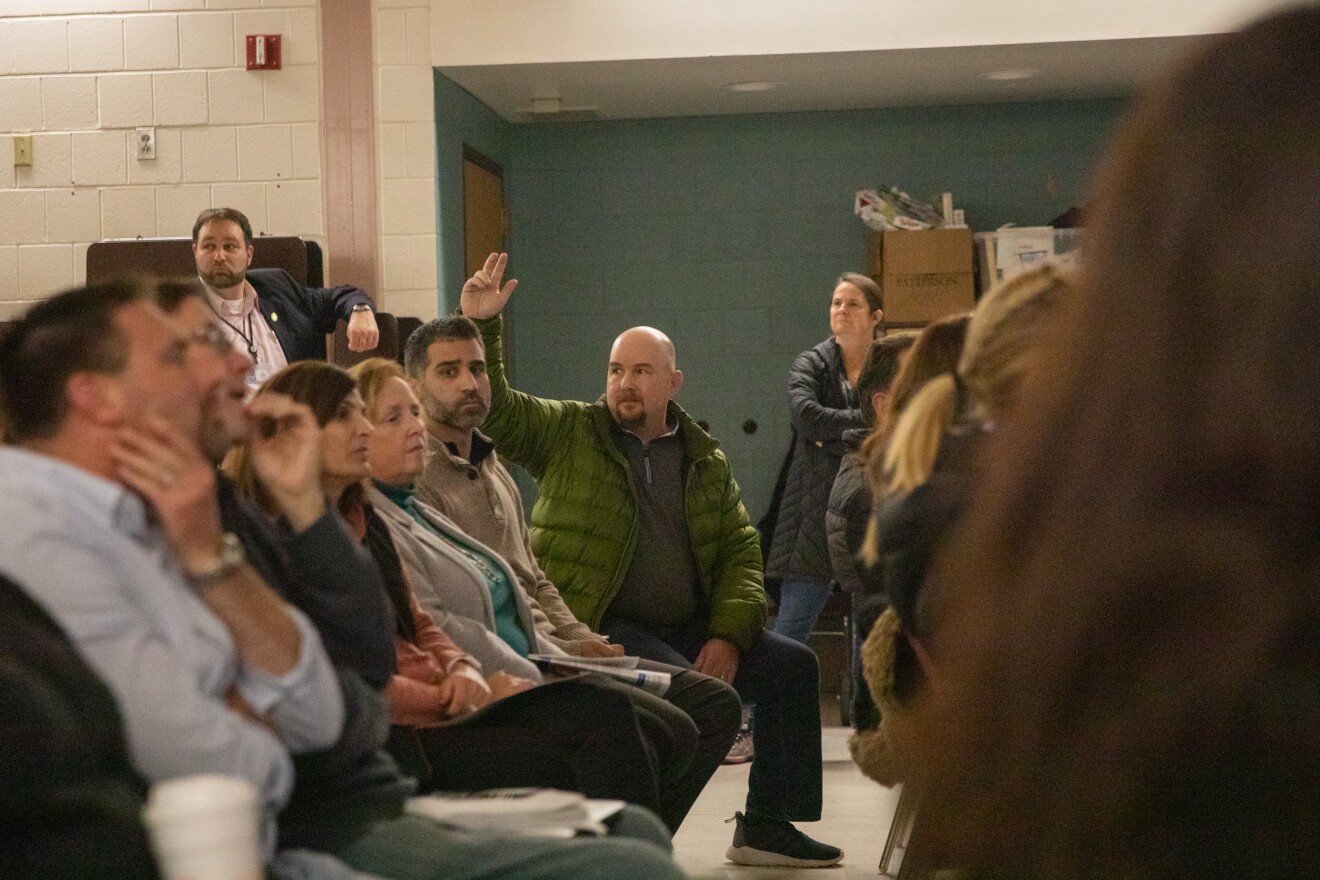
361 307
229 560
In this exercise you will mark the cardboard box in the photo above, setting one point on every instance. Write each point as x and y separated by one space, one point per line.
922 275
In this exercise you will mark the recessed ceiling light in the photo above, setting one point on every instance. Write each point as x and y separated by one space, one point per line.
754 86
1016 73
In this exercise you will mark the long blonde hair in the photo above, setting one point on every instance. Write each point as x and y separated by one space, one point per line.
1002 340
998 353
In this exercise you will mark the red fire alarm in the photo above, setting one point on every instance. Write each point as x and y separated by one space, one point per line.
263 52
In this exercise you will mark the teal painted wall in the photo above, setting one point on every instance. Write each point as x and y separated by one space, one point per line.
460 119
727 233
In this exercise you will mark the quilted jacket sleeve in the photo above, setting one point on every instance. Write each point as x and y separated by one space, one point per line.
737 599
816 399
526 429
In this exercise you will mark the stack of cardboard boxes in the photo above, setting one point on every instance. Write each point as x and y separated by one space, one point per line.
922 275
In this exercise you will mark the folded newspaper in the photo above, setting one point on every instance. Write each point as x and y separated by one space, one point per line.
537 812
619 668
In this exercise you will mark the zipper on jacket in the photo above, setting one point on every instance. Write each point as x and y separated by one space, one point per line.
646 458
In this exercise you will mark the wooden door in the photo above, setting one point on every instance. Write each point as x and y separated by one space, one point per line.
484 226
483 210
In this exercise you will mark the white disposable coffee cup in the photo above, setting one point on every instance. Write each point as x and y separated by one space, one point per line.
205 828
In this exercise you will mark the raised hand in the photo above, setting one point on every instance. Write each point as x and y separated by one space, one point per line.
482 295
286 454
169 471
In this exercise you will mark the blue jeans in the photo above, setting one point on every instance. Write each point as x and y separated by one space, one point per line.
782 679
800 604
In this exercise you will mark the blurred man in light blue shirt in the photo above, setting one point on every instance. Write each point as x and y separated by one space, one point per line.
108 518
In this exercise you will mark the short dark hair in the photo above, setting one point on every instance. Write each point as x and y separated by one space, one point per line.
881 367
866 284
231 214
72 332
453 328
170 294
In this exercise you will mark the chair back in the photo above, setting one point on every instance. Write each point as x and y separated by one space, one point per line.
173 258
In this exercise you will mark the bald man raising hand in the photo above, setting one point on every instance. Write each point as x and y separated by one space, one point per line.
638 522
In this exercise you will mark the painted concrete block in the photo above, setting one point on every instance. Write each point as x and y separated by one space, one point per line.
306 149
44 269
295 207
408 207
22 216
265 152
405 94
209 155
100 158
236 96
40 46
392 37
396 258
206 39
180 97
96 44
250 198
393 149
424 274
20 103
151 42
293 94
304 44
421 149
68 103
127 212
177 207
73 214
125 100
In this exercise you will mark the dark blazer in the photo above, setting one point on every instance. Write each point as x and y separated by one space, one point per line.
70 799
339 792
302 316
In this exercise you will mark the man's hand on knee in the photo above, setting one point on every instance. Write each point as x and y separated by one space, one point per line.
718 658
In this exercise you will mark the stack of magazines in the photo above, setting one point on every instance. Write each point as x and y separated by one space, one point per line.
537 812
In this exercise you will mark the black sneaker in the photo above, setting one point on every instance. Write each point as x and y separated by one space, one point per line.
774 842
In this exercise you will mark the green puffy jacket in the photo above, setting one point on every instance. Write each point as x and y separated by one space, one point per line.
584 522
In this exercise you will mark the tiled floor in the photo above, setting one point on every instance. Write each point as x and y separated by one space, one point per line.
856 818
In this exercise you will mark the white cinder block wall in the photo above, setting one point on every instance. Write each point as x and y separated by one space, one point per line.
81 76
405 120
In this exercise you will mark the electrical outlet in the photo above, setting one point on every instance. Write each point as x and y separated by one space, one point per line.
146 143
22 150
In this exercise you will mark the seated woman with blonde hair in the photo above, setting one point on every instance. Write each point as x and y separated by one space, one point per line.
930 468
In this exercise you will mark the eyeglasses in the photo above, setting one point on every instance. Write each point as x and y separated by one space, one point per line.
211 335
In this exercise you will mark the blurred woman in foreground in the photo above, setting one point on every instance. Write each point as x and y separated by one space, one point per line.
1129 669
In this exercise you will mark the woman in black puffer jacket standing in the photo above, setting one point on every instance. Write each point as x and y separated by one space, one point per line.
824 403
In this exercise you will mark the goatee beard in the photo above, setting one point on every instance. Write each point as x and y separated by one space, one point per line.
223 279
630 424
